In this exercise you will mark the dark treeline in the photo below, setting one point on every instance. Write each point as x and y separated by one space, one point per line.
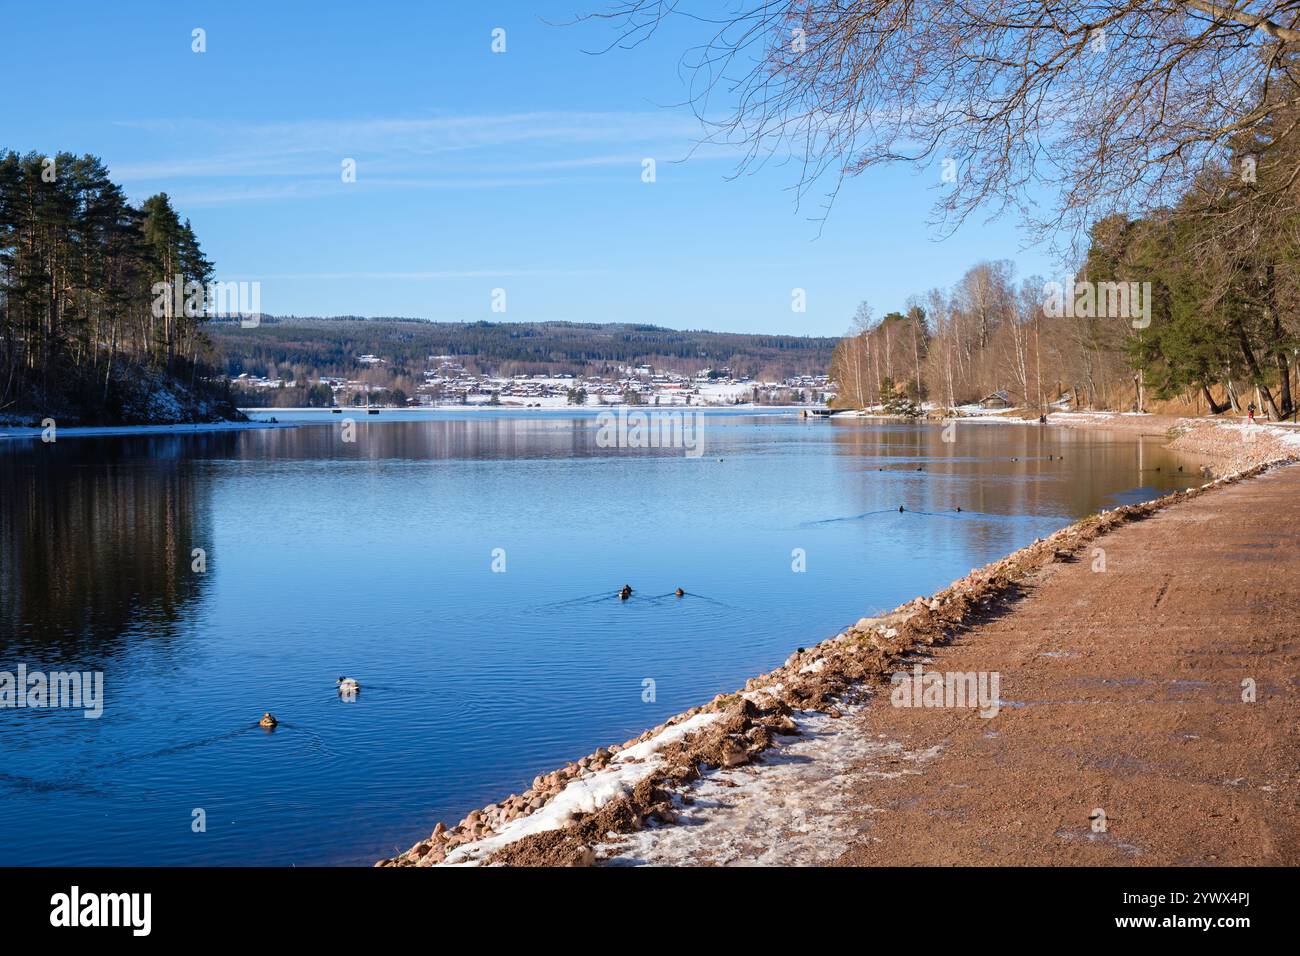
1223 266
306 347
83 336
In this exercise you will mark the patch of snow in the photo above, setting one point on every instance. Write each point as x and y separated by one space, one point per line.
670 735
587 794
1083 415
993 420
164 406
979 411
1287 436
725 392
768 690
797 807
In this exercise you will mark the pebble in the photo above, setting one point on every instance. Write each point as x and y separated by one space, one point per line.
785 726
733 755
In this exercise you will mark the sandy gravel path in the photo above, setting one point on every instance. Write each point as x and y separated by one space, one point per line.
1122 692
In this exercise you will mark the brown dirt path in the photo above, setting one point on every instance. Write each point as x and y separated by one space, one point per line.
1122 691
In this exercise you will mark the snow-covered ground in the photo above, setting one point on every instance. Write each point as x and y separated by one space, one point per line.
587 794
1286 433
726 394
977 411
792 809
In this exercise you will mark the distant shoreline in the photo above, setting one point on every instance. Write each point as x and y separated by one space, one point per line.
125 431
504 407
28 432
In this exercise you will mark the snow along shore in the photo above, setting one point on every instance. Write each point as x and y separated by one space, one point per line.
587 794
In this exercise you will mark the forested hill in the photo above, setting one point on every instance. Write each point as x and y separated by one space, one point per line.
85 335
334 345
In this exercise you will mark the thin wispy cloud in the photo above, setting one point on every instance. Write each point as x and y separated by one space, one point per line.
300 159
288 148
326 185
439 275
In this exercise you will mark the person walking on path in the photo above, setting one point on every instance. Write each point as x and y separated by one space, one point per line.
1250 412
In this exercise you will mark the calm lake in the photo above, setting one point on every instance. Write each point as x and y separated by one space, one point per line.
375 559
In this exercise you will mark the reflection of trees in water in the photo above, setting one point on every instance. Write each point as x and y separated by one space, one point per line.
483 436
96 539
986 481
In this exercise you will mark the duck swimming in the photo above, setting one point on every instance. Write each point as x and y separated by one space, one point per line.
267 721
625 593
679 592
348 685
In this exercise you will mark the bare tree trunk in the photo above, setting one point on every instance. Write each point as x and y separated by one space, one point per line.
889 354
856 357
1215 407
1255 371
875 369
1279 353
1284 383
1038 362
916 359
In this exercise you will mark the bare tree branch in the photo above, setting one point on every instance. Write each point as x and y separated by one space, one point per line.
1059 111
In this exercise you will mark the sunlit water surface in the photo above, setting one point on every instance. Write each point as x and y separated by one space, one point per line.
374 560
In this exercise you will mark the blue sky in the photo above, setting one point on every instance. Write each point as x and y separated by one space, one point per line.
475 170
